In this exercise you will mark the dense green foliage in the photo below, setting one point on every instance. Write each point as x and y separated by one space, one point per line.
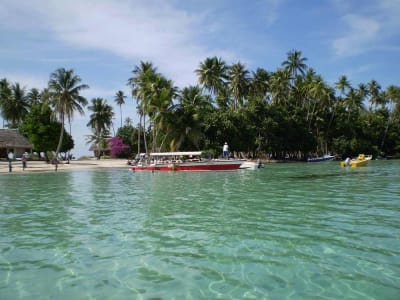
291 112
100 122
43 131
287 113
63 95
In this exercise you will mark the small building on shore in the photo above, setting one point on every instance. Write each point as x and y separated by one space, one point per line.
103 151
12 141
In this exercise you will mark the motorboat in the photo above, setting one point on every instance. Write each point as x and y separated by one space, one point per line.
321 158
361 161
184 161
251 165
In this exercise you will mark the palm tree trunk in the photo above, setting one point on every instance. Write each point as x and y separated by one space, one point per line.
144 133
385 133
140 125
61 136
98 141
120 111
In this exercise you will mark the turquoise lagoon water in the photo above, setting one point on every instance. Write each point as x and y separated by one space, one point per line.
288 231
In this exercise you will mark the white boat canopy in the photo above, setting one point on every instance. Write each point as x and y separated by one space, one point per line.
184 153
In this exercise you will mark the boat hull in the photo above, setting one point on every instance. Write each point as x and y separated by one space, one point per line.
212 165
361 161
321 159
251 165
355 164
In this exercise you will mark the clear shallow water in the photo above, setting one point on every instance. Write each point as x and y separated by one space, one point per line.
288 231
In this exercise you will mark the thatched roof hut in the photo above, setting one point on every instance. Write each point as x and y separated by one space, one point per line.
12 141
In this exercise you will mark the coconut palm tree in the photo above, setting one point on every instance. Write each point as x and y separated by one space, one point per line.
14 103
128 121
279 84
374 88
119 100
295 64
260 83
64 97
212 74
100 122
238 83
34 97
343 85
392 97
185 122
140 82
353 102
160 94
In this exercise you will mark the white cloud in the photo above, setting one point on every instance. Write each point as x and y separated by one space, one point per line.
136 30
27 80
375 26
362 33
272 7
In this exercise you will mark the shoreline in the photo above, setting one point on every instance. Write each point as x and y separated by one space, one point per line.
42 166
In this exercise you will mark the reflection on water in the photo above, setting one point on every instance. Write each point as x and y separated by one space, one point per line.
285 231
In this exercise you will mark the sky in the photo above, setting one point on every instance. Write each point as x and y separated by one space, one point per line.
103 41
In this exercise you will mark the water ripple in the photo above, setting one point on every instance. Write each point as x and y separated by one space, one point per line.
299 231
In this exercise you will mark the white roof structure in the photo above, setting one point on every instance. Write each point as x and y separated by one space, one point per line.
183 153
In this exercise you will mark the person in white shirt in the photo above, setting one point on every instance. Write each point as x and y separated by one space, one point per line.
225 150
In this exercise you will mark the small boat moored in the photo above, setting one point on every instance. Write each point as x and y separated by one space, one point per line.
184 161
251 165
321 158
361 161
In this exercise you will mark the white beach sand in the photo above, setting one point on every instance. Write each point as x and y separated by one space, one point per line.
42 166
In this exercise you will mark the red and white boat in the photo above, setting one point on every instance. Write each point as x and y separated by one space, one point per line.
184 161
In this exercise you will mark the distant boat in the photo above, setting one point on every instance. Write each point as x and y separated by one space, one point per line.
251 165
361 161
321 158
184 161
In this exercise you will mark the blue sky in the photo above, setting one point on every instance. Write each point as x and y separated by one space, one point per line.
104 40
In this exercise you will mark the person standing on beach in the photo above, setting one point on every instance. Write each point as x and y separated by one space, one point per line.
10 159
225 150
23 162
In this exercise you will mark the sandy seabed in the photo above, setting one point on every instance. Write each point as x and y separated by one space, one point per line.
42 166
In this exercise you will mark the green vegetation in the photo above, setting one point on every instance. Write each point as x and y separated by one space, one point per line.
290 112
100 122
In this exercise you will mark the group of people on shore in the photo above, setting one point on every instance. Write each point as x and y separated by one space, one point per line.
11 158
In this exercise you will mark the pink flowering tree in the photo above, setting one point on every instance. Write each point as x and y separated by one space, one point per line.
118 148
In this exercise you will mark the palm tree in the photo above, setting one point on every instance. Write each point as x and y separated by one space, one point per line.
100 122
343 85
185 123
374 88
193 95
63 96
353 101
161 93
13 103
119 100
279 84
295 64
392 97
260 83
212 74
34 97
128 122
238 83
5 97
143 76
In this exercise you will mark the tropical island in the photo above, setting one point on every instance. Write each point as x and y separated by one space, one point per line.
288 114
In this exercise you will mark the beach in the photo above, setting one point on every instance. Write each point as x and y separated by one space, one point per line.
42 166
